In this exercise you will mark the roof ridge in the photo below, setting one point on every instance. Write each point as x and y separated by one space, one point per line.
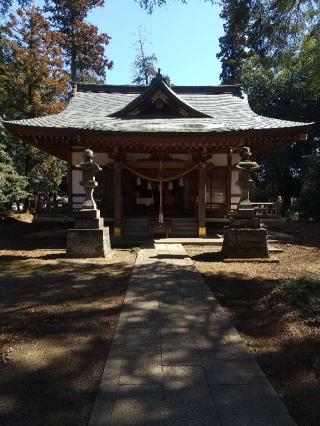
234 89
159 91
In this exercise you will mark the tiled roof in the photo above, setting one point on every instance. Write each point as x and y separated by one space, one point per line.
90 108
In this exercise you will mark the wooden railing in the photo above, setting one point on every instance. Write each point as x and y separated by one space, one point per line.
268 209
52 209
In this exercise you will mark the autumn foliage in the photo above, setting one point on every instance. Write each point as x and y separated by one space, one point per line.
34 81
40 51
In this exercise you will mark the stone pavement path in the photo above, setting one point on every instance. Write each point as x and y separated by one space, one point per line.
176 359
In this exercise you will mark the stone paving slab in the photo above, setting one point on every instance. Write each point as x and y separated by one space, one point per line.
141 367
256 405
138 406
180 351
176 359
186 385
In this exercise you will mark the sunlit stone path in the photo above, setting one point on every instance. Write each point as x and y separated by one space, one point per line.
176 359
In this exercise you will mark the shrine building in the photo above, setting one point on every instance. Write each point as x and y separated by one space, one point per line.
162 148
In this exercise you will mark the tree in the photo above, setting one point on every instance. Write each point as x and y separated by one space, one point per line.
5 5
47 176
266 28
286 89
83 45
309 199
149 5
12 185
33 81
233 44
271 48
144 65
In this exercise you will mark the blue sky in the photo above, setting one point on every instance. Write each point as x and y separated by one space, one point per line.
183 37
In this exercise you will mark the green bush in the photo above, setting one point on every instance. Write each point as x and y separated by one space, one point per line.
12 185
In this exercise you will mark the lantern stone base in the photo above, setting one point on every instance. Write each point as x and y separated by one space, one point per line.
245 238
89 238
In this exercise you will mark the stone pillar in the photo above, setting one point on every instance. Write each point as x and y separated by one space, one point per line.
117 198
202 200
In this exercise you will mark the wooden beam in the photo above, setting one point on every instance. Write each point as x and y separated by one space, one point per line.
154 164
186 192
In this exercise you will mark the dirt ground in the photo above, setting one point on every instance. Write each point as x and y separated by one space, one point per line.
57 320
286 347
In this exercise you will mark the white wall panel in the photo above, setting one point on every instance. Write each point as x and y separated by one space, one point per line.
102 158
77 157
235 159
234 179
219 160
76 178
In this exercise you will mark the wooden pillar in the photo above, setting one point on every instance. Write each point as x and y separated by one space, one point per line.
186 193
69 180
229 182
202 200
117 198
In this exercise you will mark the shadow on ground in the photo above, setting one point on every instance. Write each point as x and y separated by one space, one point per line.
286 349
57 319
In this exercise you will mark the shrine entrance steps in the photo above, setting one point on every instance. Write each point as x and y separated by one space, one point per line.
139 226
176 359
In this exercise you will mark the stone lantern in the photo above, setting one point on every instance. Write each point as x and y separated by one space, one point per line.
89 237
245 237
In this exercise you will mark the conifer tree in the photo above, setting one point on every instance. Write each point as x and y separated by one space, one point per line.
83 45
144 66
233 44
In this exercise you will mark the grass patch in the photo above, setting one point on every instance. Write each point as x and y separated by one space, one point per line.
302 294
135 250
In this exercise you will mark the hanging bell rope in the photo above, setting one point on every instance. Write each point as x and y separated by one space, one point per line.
152 179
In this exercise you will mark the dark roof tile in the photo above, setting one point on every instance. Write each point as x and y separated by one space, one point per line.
92 105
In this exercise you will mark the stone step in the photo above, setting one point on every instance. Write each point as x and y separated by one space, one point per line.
181 226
